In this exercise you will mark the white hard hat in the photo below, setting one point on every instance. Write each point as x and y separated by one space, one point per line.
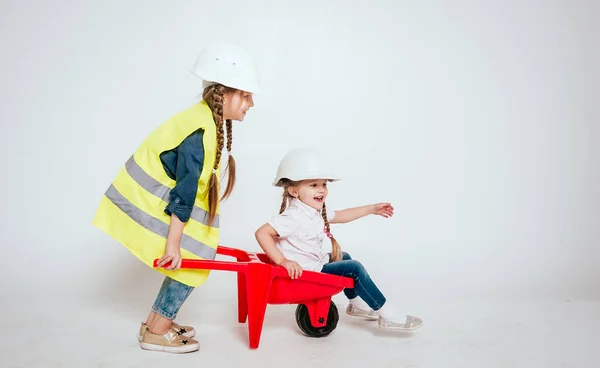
227 64
304 164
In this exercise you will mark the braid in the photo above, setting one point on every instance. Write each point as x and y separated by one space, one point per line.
336 251
214 98
230 162
286 194
229 135
218 117
284 201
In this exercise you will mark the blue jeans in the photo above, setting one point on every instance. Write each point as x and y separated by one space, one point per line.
363 285
170 298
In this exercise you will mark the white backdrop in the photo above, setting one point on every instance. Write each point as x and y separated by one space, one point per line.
479 121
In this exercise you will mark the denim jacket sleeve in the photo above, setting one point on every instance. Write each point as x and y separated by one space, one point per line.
188 168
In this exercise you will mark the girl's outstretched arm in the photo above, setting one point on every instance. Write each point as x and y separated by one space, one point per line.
350 214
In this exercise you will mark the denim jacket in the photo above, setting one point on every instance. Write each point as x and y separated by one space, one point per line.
184 165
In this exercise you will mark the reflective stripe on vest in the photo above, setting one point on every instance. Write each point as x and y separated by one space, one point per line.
162 191
156 226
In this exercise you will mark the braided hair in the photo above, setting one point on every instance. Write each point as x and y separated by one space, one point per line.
214 97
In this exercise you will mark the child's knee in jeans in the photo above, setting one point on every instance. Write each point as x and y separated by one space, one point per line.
355 266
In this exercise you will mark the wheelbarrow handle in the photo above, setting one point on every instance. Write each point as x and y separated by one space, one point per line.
208 265
244 259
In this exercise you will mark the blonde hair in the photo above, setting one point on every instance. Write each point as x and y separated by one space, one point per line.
336 250
214 97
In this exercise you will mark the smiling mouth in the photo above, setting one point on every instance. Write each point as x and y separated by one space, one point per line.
318 199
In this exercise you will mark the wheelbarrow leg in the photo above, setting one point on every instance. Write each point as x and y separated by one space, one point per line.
318 310
242 298
258 285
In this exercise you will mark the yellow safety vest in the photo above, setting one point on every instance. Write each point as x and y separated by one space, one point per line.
132 209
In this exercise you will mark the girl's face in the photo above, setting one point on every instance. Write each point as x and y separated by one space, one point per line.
311 192
236 104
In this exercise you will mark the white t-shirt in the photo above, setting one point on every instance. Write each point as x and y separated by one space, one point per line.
301 232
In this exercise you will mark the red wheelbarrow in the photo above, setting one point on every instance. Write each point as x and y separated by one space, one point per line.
260 282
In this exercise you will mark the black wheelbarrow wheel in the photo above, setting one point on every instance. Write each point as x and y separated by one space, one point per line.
303 321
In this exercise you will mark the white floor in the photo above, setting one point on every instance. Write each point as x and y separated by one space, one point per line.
87 332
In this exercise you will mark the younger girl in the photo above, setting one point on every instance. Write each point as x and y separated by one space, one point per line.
294 238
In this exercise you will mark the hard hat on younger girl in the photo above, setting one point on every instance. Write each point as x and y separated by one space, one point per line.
304 164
